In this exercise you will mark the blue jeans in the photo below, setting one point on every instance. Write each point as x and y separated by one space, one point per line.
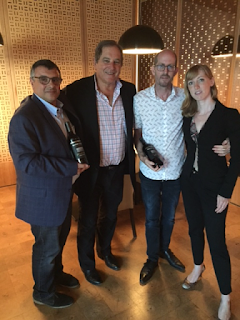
47 257
160 199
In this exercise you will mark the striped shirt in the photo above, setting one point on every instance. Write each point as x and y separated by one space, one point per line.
112 127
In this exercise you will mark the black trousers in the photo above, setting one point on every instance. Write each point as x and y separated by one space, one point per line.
98 215
200 201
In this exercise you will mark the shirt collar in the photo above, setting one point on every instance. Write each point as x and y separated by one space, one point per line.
117 87
52 109
173 93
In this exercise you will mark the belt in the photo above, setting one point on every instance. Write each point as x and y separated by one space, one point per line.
111 167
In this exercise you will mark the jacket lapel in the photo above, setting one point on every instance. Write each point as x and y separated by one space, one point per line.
51 122
125 100
91 113
212 121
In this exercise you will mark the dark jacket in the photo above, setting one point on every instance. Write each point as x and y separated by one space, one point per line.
82 96
43 162
213 170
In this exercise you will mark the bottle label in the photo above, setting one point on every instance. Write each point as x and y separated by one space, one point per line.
78 151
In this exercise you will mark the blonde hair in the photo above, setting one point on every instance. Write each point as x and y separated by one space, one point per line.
189 106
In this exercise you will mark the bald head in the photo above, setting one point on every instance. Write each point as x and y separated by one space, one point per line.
164 69
165 53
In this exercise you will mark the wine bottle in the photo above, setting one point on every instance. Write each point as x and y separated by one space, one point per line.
151 153
76 145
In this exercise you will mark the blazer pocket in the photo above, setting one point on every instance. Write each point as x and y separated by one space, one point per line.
32 191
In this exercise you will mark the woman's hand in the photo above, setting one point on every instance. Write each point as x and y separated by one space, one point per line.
221 204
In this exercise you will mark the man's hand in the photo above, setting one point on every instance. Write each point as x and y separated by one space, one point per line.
82 167
149 163
223 149
221 204
141 154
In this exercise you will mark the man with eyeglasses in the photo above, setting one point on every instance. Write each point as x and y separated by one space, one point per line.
158 119
45 169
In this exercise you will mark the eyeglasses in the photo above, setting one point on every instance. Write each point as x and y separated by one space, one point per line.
45 80
161 67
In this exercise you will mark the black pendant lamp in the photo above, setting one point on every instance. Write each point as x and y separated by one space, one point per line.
224 47
141 39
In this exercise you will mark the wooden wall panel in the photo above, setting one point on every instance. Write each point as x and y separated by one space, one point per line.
45 29
7 171
161 16
235 96
7 106
203 24
108 20
65 31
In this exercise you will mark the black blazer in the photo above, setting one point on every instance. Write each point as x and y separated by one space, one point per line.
82 96
213 170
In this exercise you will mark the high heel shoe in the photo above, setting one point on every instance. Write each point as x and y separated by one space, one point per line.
223 312
187 285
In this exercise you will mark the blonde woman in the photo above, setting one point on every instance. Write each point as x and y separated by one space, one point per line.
207 181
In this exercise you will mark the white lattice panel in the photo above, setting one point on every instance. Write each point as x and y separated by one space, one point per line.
235 101
5 107
161 15
45 29
108 20
52 29
203 24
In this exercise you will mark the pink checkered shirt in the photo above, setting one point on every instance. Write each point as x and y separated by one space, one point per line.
112 127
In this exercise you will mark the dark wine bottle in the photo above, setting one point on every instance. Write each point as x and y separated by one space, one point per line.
151 153
76 145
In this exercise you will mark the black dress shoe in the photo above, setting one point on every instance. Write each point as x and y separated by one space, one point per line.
58 301
172 260
67 280
110 261
93 277
147 271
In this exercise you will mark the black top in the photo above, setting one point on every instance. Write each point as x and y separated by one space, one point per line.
213 170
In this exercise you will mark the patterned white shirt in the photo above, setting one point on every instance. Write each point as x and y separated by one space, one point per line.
161 124
112 127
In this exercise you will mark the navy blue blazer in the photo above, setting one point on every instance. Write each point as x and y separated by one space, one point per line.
43 162
82 96
213 170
